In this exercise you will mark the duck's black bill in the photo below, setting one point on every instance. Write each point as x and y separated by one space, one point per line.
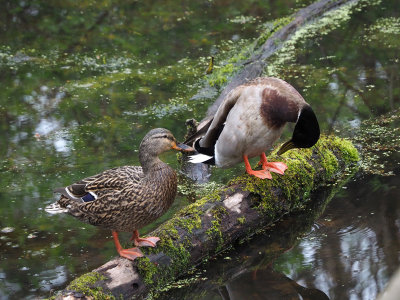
183 147
285 147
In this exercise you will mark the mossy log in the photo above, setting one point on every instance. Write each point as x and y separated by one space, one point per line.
213 223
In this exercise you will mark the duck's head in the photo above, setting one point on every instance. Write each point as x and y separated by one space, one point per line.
306 132
160 140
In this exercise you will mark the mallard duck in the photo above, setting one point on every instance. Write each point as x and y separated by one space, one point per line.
249 120
126 198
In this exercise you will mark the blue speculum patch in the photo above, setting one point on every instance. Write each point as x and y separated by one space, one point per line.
88 197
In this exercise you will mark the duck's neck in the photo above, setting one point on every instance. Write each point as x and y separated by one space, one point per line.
150 162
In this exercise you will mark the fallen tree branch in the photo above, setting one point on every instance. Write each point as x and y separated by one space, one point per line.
213 223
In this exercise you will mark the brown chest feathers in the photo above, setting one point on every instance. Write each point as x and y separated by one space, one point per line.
277 109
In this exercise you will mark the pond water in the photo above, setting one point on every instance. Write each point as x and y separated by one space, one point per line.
83 83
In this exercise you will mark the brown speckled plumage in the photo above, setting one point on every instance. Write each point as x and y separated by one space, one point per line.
128 197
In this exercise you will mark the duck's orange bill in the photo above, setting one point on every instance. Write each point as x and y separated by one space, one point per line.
183 147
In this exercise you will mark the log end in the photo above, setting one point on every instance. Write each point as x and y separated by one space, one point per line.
86 286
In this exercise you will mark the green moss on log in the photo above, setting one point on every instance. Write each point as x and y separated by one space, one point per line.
300 177
86 284
214 232
307 169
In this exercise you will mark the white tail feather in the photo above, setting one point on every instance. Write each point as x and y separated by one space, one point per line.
55 208
199 158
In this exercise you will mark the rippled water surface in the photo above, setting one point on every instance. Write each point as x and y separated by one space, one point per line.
83 82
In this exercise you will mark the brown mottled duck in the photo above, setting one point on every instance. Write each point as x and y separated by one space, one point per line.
126 198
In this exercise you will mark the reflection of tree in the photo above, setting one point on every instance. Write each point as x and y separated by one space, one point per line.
140 28
84 37
360 63
268 284
362 240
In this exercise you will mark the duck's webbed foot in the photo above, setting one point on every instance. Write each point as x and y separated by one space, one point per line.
131 253
260 174
276 167
267 167
150 241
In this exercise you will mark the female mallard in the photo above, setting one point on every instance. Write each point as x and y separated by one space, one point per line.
126 198
249 120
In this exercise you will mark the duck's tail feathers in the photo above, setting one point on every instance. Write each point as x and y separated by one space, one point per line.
199 158
55 208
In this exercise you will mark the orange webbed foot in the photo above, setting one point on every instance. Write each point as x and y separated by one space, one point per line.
263 174
150 241
276 167
260 174
131 253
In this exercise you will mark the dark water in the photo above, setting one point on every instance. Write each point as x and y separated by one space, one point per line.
353 248
349 252
83 83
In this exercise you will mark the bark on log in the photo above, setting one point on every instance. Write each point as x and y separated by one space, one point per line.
204 228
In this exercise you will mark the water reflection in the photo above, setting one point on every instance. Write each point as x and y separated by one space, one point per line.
349 74
268 284
355 249
350 251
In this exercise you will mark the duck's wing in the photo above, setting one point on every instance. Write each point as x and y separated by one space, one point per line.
114 178
217 123
88 189
114 208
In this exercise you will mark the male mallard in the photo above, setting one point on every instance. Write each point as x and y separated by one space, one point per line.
126 198
249 120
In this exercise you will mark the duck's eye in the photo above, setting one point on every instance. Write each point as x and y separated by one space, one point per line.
165 136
